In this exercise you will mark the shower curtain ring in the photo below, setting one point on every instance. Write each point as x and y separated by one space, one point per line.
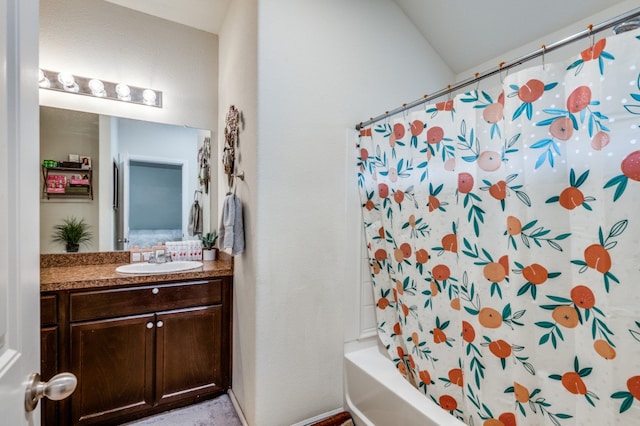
544 50
476 75
592 36
500 65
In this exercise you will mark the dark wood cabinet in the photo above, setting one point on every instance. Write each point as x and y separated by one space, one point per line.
49 338
140 350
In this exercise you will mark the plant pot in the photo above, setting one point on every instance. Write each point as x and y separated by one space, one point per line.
72 248
209 254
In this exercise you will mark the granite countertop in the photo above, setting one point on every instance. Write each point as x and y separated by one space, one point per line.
94 270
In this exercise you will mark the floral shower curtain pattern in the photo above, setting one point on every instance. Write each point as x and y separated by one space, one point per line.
503 228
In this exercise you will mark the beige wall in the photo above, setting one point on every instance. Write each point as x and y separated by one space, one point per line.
64 132
94 38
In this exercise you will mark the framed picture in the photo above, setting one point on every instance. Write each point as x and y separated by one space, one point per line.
86 162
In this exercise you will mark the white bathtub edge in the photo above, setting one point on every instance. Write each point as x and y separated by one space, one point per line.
377 367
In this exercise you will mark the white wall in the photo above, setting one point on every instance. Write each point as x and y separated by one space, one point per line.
238 86
322 67
94 38
561 54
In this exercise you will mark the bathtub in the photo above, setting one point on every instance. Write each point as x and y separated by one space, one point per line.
377 395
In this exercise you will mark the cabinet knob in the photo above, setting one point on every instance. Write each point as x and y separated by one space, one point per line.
159 324
150 324
59 387
155 290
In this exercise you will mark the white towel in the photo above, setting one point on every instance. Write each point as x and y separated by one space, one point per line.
195 219
231 233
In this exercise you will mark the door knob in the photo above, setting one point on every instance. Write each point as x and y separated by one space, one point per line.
59 387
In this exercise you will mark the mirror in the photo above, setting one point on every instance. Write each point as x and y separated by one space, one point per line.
144 178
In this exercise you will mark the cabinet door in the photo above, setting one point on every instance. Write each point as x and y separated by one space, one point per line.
48 369
189 352
113 361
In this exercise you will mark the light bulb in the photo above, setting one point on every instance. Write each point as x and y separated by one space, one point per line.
149 97
123 91
68 81
43 81
97 88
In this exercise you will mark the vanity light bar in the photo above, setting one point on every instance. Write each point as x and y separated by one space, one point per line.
67 82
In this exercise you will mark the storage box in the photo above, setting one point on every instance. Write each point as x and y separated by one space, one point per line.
71 165
56 184
78 182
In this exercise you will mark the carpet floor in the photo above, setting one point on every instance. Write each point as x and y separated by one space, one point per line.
215 412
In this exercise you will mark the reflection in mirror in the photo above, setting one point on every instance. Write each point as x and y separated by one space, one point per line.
145 179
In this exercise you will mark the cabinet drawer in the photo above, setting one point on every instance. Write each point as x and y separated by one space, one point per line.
139 300
49 309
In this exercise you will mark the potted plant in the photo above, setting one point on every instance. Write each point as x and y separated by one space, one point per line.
72 232
209 250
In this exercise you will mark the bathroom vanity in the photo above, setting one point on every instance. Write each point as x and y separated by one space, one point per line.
138 344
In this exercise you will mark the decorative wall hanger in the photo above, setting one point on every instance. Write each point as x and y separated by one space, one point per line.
204 157
230 142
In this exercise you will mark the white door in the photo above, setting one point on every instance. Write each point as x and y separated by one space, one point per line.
123 212
19 190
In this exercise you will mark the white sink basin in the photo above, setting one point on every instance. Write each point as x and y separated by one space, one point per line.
159 268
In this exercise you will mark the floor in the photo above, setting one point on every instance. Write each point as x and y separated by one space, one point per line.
215 412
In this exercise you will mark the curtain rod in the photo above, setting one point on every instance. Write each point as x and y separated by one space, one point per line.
592 29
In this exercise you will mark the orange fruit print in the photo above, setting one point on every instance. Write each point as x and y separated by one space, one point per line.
574 383
566 316
579 99
468 333
450 243
439 336
521 393
535 274
455 376
435 135
598 258
448 402
489 317
604 349
498 190
633 384
465 182
571 197
531 91
508 419
500 348
583 297
561 128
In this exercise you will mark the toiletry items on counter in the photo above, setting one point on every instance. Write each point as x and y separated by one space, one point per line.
177 250
185 250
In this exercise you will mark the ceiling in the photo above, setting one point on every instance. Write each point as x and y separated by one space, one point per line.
461 31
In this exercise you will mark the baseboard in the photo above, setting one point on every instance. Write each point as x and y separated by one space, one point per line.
236 406
306 422
319 417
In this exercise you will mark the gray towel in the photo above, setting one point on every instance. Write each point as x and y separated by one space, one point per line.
195 219
231 233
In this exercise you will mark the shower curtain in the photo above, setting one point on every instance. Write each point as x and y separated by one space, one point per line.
503 232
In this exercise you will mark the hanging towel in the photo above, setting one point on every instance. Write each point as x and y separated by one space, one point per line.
231 233
195 219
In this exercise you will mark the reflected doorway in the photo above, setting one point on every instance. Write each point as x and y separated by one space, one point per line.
153 202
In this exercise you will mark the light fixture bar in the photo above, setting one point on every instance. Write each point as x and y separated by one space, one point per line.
66 82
